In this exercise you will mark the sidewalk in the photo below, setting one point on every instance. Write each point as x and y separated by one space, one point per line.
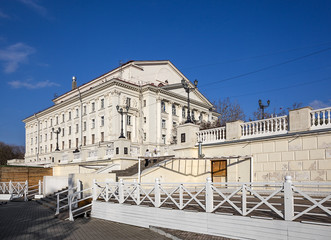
29 220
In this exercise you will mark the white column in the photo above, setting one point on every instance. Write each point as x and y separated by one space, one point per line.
158 121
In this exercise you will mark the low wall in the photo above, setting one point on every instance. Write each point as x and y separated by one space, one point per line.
236 227
21 174
54 183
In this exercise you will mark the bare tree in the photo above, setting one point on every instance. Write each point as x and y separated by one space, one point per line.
229 112
8 152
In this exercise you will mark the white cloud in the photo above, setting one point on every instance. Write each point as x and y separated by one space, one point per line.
35 6
14 55
33 85
317 104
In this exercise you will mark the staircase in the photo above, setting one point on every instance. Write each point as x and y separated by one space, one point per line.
50 200
134 168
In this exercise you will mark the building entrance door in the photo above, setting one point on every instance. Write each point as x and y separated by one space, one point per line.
218 170
244 170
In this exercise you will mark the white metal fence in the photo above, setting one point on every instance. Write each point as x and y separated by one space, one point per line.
286 200
20 189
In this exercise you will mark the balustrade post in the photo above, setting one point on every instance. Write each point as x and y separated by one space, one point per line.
157 193
79 188
244 200
57 204
95 194
121 191
39 187
288 199
209 197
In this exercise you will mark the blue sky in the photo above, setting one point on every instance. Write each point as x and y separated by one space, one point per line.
245 50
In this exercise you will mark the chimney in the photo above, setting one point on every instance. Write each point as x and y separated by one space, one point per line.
74 83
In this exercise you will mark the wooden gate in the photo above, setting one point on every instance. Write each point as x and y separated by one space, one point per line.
218 170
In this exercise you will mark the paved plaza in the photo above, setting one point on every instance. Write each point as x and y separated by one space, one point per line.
29 220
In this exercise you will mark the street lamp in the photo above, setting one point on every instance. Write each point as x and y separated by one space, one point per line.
57 138
262 107
121 111
188 89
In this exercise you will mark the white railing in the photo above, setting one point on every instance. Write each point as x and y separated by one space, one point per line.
35 190
75 198
14 189
212 135
288 201
60 202
321 118
265 127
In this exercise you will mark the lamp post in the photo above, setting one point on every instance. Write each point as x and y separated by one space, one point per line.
188 89
121 111
262 107
57 138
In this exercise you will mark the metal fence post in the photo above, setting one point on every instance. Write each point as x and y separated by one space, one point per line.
57 204
121 191
10 188
157 193
209 196
181 197
26 189
71 217
243 198
288 199
39 187
95 196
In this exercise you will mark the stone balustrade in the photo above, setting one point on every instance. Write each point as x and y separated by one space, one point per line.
320 118
265 127
299 120
212 135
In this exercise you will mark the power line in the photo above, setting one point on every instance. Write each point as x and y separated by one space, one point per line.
269 67
282 88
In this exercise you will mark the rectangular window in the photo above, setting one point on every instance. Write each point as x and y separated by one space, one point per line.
36 140
144 103
173 109
76 142
62 117
102 104
102 121
62 132
31 141
163 107
93 123
69 130
128 135
45 148
163 139
183 112
93 107
84 110
62 145
128 119
51 138
84 124
51 122
76 128
163 123
57 120
145 137
93 138
102 136
69 115
41 138
51 147
69 144
145 120
128 102
77 113
84 140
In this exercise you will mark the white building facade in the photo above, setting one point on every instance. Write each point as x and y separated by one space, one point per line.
89 123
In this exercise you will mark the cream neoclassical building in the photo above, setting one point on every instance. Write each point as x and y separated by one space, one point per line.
87 122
